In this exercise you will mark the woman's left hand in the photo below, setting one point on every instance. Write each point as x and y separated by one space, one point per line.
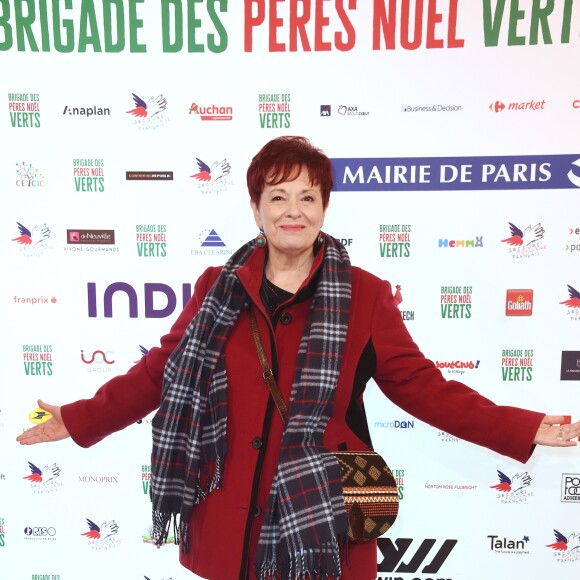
555 433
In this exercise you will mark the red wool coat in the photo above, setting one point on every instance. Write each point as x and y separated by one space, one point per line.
224 528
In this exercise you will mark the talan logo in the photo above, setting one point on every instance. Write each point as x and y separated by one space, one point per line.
519 302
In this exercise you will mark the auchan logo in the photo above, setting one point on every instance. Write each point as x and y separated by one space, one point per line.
519 302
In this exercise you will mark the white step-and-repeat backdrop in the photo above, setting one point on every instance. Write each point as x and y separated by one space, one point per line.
126 127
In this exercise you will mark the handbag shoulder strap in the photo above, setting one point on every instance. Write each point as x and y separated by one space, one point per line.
267 374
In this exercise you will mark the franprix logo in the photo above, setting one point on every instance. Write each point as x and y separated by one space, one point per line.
519 302
514 489
439 108
351 111
24 110
102 536
457 173
90 111
45 480
325 110
395 240
37 359
424 558
517 364
212 112
151 240
456 301
33 242
149 175
211 244
572 304
570 488
509 546
570 367
212 178
99 361
149 115
274 110
525 243
34 300
89 175
565 548
531 105
28 176
159 300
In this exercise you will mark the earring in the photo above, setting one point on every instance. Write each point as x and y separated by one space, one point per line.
261 239
320 239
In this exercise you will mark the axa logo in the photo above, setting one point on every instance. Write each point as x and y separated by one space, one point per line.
429 561
565 548
211 173
513 489
151 292
574 298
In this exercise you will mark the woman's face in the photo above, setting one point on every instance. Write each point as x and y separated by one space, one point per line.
291 215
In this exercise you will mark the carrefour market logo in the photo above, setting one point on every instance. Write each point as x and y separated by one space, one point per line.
457 173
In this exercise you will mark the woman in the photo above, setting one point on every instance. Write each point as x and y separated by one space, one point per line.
222 457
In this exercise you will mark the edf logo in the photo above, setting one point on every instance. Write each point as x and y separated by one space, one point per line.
150 291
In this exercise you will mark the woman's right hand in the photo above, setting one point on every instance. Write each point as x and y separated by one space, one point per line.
51 430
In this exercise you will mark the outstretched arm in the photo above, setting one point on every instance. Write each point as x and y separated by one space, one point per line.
555 433
51 430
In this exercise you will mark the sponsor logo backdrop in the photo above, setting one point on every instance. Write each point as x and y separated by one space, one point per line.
126 129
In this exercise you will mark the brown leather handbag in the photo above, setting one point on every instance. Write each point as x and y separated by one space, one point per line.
371 497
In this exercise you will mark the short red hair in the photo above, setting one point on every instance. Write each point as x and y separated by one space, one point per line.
282 159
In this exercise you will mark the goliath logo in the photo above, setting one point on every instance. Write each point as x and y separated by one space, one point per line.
150 290
393 554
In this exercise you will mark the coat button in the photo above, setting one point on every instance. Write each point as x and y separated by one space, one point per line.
257 511
256 442
286 318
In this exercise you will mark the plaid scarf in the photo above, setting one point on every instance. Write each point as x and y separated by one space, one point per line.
305 521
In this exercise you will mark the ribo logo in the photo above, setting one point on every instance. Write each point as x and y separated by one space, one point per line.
519 302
